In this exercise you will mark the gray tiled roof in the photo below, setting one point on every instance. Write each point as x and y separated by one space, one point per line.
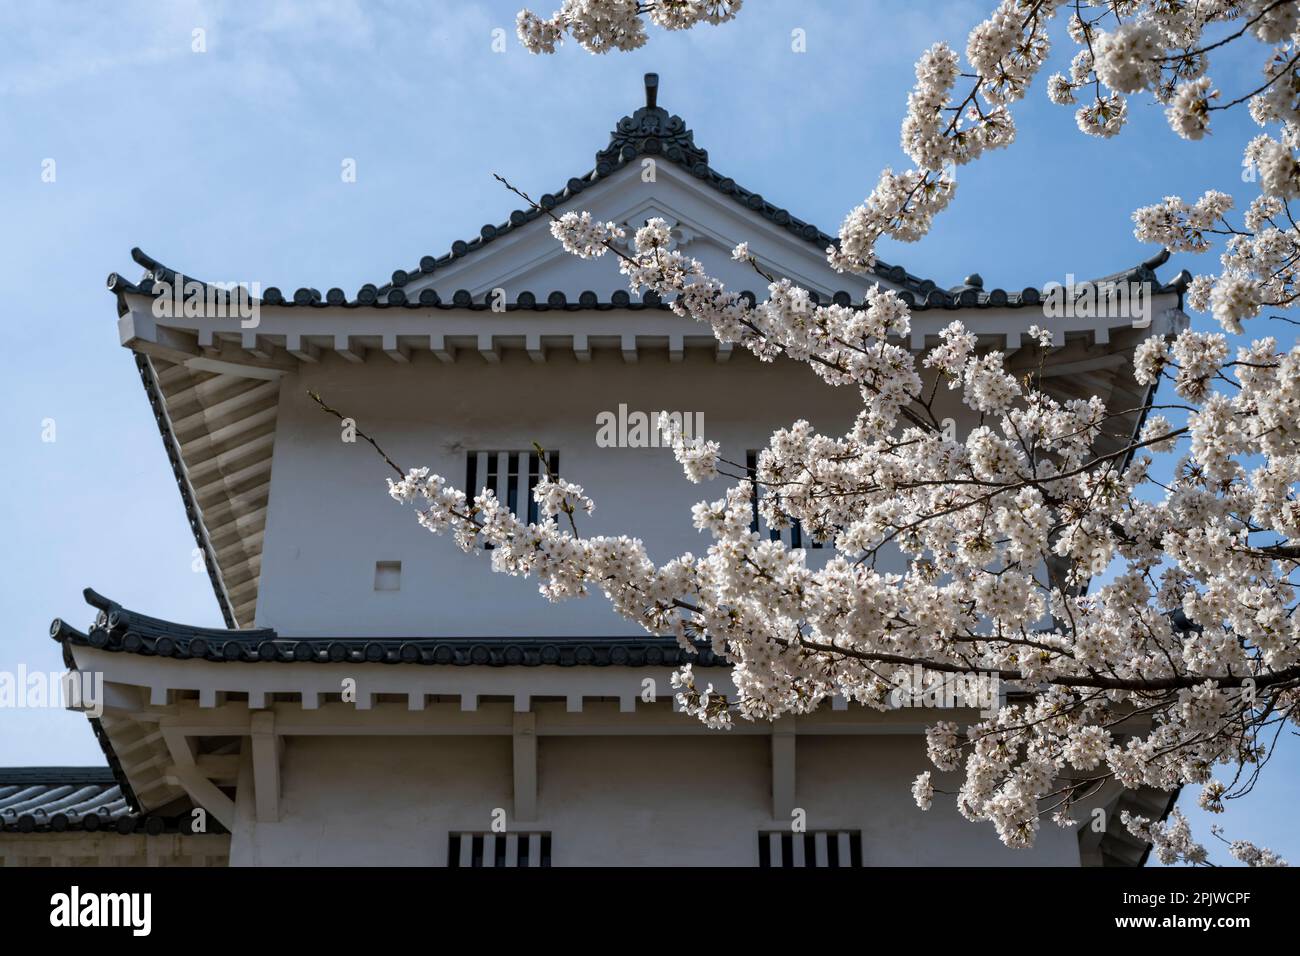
119 629
60 798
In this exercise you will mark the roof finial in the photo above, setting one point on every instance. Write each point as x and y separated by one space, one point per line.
651 90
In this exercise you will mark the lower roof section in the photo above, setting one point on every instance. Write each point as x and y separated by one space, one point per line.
186 713
61 799
118 629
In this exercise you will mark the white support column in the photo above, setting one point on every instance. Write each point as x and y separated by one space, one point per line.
676 348
581 348
783 772
267 751
525 766
487 348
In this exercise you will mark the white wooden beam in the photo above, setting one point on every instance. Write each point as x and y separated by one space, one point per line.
343 346
488 349
628 345
302 351
132 768
179 747
398 353
723 352
438 345
249 342
205 794
267 750
533 345
122 698
676 348
581 348
144 740
783 770
525 766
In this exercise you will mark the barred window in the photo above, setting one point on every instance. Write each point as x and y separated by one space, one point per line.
814 848
793 536
511 475
486 849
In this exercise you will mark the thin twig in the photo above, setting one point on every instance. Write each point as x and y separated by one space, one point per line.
315 397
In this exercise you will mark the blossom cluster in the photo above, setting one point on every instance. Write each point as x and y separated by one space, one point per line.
602 25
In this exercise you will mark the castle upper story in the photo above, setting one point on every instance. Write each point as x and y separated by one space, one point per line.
467 361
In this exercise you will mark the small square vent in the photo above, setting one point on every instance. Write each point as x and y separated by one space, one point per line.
388 575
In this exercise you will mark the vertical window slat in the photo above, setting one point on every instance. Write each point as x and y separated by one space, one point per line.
751 468
800 847
534 470
512 483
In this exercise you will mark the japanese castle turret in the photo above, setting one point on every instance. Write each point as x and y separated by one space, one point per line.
379 697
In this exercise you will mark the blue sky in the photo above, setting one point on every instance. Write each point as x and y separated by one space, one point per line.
226 163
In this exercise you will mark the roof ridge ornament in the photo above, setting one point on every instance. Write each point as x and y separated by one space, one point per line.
652 131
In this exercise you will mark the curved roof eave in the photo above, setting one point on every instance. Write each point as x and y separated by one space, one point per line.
971 295
121 630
